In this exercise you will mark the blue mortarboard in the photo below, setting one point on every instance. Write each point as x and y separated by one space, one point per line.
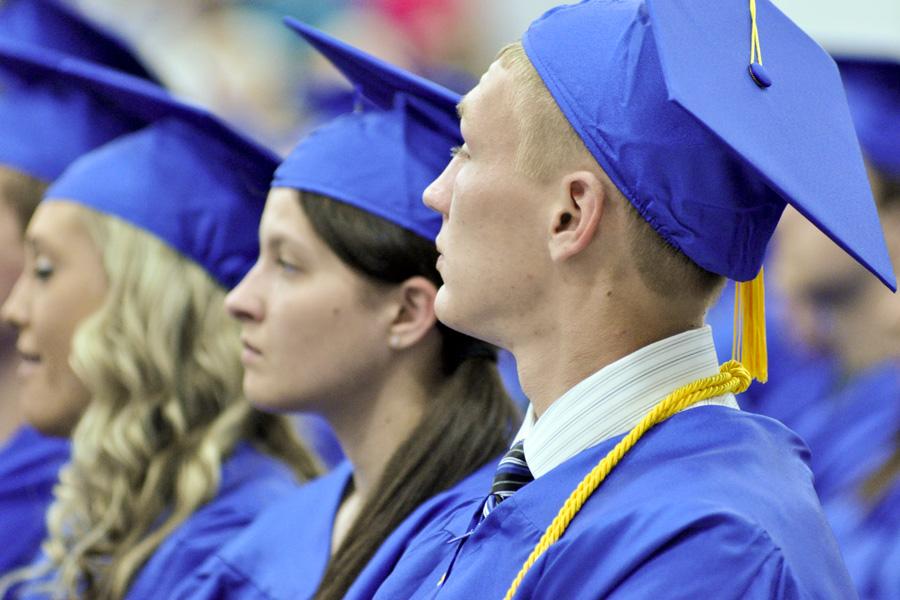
660 93
383 156
45 120
186 177
54 26
873 92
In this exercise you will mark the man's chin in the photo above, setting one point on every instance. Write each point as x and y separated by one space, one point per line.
450 313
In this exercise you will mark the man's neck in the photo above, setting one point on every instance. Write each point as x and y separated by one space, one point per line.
551 364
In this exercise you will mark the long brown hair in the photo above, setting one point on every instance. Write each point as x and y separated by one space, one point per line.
466 424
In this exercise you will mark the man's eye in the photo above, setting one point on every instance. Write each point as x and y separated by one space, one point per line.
459 151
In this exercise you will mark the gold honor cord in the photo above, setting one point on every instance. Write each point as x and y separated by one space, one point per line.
732 378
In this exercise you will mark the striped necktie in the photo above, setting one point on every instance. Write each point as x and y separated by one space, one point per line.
512 473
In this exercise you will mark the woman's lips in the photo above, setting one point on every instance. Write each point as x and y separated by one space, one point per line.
250 353
28 363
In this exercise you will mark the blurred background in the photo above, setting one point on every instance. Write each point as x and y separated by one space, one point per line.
237 58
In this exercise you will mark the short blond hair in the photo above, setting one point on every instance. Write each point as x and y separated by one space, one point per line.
546 140
547 143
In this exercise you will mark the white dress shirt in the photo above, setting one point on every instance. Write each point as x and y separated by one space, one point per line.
614 399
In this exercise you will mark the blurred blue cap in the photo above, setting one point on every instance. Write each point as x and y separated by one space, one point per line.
661 93
873 91
54 26
46 122
186 176
381 157
47 118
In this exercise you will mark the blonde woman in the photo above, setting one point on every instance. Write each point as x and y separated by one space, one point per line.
126 346
38 141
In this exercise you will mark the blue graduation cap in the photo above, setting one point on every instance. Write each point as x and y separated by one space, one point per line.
873 92
673 101
47 118
54 26
659 91
404 127
186 176
46 122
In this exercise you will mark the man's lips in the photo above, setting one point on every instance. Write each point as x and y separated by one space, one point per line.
440 251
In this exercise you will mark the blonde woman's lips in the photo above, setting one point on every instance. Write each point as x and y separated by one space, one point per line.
250 353
28 364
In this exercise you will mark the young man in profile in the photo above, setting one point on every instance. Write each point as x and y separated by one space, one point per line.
618 165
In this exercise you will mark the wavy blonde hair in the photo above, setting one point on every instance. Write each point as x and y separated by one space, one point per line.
160 359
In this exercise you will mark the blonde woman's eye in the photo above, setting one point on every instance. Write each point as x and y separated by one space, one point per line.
43 269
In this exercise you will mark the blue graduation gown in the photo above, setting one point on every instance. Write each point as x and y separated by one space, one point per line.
713 503
869 537
250 481
852 435
285 552
29 465
852 432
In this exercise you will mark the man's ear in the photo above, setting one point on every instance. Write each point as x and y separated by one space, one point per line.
576 214
413 314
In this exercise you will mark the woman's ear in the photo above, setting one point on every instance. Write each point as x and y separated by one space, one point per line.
576 215
413 313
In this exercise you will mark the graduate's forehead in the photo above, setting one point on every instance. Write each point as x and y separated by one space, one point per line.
489 106
56 223
282 214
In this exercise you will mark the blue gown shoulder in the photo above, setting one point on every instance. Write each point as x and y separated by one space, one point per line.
29 468
250 482
283 554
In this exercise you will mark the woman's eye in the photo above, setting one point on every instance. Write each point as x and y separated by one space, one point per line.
286 265
43 269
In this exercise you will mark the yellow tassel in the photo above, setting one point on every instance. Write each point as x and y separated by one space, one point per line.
749 346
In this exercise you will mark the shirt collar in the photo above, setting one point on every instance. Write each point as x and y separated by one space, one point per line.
614 399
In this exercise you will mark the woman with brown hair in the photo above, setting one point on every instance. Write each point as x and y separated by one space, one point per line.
338 318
